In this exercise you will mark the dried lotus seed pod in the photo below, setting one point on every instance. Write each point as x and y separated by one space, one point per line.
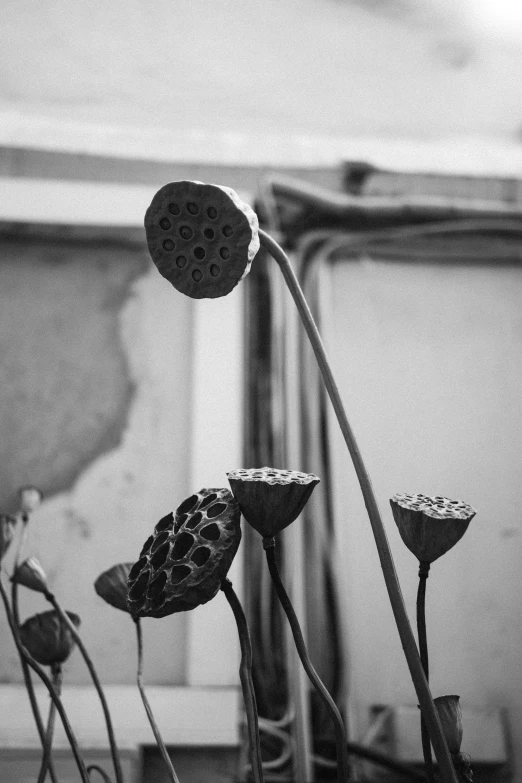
189 553
201 237
271 499
430 526
47 638
111 585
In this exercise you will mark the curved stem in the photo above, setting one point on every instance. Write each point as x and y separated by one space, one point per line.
379 533
247 683
48 684
101 772
97 684
343 770
57 676
148 710
423 649
25 668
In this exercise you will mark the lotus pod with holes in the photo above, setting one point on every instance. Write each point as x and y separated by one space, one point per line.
202 238
430 526
271 499
184 561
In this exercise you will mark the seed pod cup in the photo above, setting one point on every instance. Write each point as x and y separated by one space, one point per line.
30 574
430 526
47 637
271 499
202 238
111 585
189 553
450 716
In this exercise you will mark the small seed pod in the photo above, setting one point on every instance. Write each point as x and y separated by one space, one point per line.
430 526
202 238
111 585
189 553
450 716
7 526
47 638
271 499
31 574
30 498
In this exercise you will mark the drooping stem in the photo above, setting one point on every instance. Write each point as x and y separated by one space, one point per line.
57 676
48 684
23 663
148 709
97 684
101 772
383 548
424 568
247 683
343 770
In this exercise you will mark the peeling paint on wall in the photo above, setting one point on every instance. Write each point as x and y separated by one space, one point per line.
66 388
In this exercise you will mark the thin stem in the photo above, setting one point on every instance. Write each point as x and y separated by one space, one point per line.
57 676
247 683
148 710
423 649
97 684
343 769
48 684
101 772
383 548
29 686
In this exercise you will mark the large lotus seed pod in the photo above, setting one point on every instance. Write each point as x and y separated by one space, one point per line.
47 637
430 526
202 238
111 585
271 499
184 561
450 715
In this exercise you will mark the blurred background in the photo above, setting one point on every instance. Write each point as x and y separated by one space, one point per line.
336 120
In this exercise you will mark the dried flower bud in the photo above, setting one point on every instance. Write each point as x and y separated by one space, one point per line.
271 499
7 526
47 637
189 553
31 574
430 526
30 498
202 238
450 715
112 585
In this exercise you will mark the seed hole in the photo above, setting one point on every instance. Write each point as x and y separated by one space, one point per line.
179 521
200 555
192 207
160 540
209 499
187 505
185 232
157 585
158 558
174 209
212 213
136 568
227 231
182 545
194 520
164 523
138 589
197 274
165 224
224 252
181 261
179 573
214 270
146 545
209 234
199 253
168 245
210 532
216 510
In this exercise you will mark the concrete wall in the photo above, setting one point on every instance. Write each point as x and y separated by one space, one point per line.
428 360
